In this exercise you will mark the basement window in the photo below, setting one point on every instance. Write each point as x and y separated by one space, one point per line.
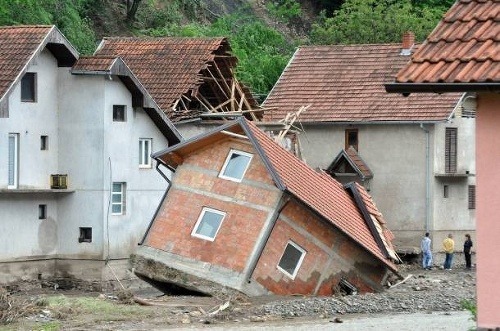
291 259
85 235
236 165
208 224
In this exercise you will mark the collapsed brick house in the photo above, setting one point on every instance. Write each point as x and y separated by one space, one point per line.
244 213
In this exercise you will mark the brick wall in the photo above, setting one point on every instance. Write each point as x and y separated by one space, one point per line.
195 185
330 256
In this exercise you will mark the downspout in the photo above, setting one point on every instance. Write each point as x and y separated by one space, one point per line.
158 163
265 238
427 178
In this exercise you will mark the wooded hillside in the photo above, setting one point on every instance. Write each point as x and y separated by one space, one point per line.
263 33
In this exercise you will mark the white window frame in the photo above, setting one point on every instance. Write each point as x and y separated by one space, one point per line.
299 263
145 156
122 194
15 183
228 158
200 220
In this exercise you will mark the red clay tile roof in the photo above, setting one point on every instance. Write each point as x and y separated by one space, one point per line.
317 190
345 83
170 67
463 48
94 63
353 158
17 46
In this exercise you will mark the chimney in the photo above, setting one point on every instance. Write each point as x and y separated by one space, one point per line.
408 42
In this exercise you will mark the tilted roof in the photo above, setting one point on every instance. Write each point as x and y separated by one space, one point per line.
20 44
317 190
461 54
345 83
171 67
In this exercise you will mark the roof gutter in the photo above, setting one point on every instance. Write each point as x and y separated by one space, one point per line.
159 162
407 88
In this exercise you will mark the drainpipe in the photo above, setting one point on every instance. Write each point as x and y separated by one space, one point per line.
158 164
427 178
265 238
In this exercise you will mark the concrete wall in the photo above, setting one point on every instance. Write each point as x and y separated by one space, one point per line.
248 205
488 209
330 256
451 214
396 156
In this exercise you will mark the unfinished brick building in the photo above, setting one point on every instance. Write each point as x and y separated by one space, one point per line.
244 213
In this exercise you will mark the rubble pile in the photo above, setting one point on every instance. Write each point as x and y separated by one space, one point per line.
423 291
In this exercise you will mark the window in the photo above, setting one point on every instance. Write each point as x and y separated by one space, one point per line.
472 196
208 224
118 199
13 163
446 191
44 143
145 152
42 212
450 150
351 138
85 235
236 165
28 87
291 259
119 113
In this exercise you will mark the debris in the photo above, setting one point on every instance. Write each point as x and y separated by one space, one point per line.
337 320
401 282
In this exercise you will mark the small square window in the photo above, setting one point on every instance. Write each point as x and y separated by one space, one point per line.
42 212
235 166
28 87
208 224
85 235
291 259
118 199
44 143
119 113
145 152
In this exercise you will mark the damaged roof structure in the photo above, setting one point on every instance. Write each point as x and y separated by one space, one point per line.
189 78
242 212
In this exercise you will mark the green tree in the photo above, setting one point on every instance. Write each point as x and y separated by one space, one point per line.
374 21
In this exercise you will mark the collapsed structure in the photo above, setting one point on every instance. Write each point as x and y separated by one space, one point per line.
242 212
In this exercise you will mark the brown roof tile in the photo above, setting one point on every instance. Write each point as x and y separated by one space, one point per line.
94 63
169 67
317 190
345 83
464 47
17 46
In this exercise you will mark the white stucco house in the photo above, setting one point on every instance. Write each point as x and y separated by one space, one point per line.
415 154
77 184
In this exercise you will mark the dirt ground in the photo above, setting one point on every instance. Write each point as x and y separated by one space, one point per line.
33 307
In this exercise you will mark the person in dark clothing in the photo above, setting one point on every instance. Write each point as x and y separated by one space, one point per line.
467 248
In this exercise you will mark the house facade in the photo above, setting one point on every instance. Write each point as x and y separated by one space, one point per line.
414 154
242 212
78 186
462 54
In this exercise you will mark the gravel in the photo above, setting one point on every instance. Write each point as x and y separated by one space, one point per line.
423 291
